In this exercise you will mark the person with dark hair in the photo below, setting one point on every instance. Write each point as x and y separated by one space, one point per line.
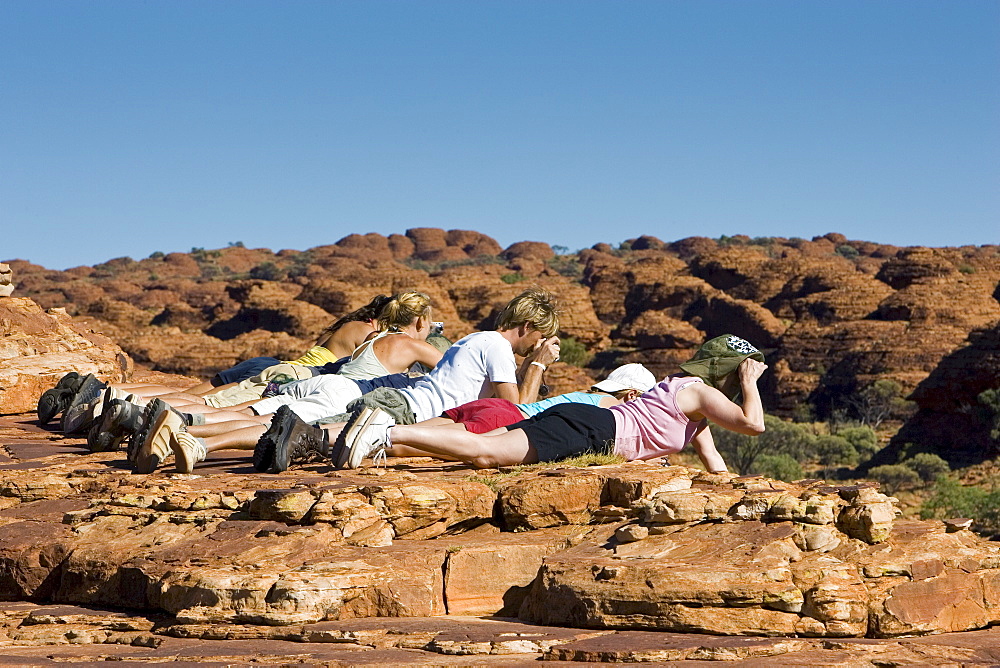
334 345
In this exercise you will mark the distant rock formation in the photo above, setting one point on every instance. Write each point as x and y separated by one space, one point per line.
833 315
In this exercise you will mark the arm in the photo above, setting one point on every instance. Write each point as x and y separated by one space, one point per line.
529 376
701 401
425 353
508 391
704 445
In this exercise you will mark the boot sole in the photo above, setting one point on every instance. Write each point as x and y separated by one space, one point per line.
147 460
350 436
89 390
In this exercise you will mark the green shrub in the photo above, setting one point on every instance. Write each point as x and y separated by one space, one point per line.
928 466
835 451
878 401
779 438
966 269
950 499
566 265
573 352
156 255
850 252
516 277
894 477
864 440
267 271
990 401
779 467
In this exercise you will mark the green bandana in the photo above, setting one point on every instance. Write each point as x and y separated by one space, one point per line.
719 357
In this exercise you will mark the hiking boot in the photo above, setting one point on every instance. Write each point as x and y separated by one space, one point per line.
289 439
188 450
155 446
74 418
263 455
78 419
54 401
120 418
366 435
150 413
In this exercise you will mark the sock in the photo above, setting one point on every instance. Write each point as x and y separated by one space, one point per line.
193 419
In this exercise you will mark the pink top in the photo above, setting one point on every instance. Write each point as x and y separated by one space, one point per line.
652 425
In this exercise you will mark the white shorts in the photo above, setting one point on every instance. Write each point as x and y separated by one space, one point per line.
314 398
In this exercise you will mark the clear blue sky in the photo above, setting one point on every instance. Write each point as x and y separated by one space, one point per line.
128 127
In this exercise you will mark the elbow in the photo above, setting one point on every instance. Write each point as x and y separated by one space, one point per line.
755 429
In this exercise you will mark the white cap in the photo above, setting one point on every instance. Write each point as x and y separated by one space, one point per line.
628 377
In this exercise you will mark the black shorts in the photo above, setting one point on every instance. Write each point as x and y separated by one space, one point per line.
567 430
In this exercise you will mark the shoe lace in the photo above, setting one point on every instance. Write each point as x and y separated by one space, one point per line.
380 457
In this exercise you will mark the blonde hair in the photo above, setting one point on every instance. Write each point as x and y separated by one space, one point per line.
403 309
534 307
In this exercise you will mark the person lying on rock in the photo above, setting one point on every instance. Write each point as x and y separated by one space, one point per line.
246 380
339 339
660 422
382 360
290 439
479 364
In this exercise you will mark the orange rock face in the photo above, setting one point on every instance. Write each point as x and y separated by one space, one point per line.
832 315
38 347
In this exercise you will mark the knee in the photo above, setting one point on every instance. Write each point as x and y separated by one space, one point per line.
484 461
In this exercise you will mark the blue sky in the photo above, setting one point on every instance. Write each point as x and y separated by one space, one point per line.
138 126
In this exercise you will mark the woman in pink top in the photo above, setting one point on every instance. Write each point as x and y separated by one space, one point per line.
662 421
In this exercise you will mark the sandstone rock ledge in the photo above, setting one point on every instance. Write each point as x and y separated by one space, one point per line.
427 563
38 347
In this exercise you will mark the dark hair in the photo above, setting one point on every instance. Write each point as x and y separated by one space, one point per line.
369 311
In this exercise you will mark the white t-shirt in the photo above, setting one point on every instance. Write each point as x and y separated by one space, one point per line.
464 374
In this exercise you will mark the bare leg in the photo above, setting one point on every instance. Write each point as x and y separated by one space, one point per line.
205 388
500 448
236 439
229 426
145 390
215 416
410 451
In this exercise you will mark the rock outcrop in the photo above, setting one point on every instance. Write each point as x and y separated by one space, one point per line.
578 555
6 280
38 347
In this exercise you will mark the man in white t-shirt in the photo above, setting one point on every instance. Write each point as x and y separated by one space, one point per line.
479 365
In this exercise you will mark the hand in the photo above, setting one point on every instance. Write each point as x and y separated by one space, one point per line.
546 351
750 370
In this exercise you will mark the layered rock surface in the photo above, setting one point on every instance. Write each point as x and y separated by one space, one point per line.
393 561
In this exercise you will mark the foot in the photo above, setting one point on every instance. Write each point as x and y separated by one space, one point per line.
87 393
156 446
366 435
54 401
150 414
188 450
289 439
119 420
80 418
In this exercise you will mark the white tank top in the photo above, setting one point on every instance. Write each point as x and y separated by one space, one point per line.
366 364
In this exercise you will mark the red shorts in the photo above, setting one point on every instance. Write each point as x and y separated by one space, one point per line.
483 415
